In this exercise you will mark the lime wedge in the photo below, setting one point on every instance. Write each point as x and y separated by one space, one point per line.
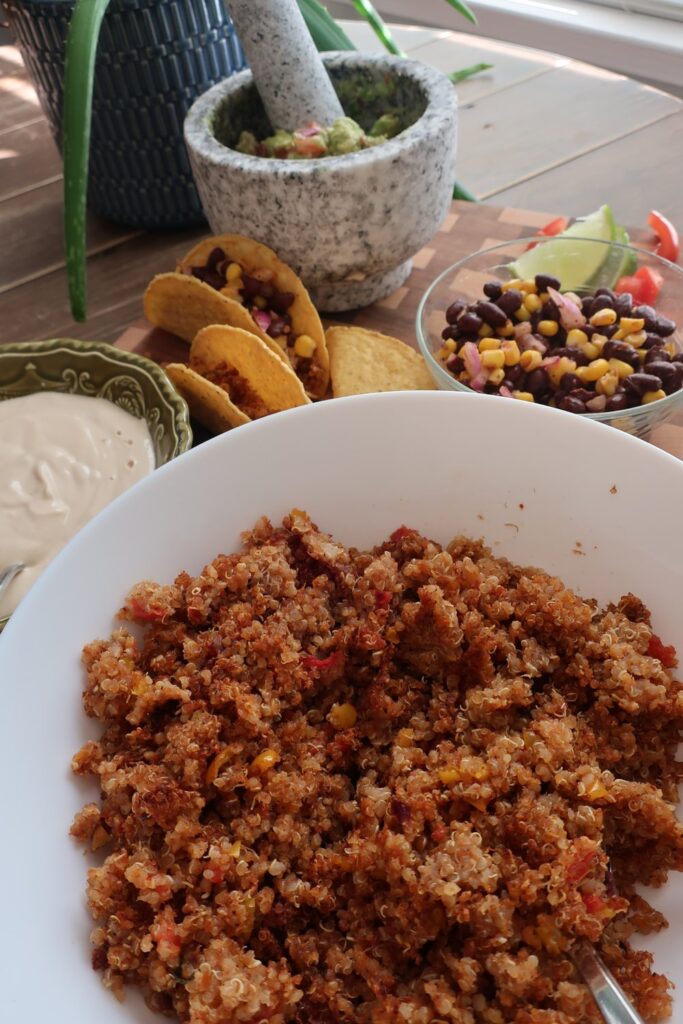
575 262
618 263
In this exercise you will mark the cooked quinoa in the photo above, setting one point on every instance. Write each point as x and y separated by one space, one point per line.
388 786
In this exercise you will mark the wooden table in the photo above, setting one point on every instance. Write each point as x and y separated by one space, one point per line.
538 131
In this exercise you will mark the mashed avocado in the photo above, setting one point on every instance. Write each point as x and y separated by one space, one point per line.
313 141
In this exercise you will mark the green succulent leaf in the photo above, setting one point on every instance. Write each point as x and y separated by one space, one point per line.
473 69
326 33
378 26
463 9
79 73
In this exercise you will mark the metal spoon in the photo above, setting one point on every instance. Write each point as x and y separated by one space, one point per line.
8 574
612 1001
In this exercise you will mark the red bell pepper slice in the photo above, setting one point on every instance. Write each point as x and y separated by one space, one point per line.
668 246
553 227
665 654
322 663
645 285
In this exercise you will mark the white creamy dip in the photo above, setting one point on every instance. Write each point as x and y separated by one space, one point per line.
62 459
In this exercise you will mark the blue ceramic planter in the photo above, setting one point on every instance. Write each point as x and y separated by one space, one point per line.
155 57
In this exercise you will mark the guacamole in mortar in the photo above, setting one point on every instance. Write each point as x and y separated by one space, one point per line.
313 140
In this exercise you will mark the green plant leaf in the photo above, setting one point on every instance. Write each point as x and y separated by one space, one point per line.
79 74
460 192
326 33
378 26
463 9
473 69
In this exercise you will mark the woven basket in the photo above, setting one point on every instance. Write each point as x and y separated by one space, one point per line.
154 58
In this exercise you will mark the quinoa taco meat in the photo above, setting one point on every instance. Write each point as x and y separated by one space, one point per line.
251 277
233 377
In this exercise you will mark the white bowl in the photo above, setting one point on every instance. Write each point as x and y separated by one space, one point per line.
443 463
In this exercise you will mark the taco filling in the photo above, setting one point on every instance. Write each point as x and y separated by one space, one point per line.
237 387
269 308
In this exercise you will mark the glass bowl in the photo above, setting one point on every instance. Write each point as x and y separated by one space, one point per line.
465 279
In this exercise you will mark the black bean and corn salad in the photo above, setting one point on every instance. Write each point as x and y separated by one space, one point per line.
591 353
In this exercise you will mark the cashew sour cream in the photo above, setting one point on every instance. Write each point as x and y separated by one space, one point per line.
62 459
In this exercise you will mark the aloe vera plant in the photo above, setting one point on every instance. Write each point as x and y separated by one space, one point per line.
79 74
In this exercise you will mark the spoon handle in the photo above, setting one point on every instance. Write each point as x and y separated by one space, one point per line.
612 1001
8 574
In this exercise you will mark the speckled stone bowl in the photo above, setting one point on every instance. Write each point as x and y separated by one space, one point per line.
348 224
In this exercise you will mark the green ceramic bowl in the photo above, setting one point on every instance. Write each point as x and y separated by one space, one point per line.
98 370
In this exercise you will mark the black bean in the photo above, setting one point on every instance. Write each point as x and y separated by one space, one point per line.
510 301
493 290
609 330
620 350
670 374
454 311
491 314
446 333
583 393
537 383
455 364
209 277
601 302
657 355
549 311
276 327
281 301
545 281
623 304
266 290
514 375
605 291
678 358
589 330
579 357
586 303
617 403
647 314
639 383
570 382
571 404
469 323
216 256
664 326
652 341
251 286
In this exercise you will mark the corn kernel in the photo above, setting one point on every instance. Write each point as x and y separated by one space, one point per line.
496 377
234 849
543 296
507 331
548 328
671 348
556 372
590 350
260 302
511 350
489 344
604 317
449 345
621 368
573 297
492 360
599 340
596 791
596 369
219 760
530 359
631 324
404 737
527 287
442 354
576 337
485 331
522 314
449 775
234 272
304 346
265 760
100 838
637 339
532 303
607 384
524 396
642 354
619 335
514 283
652 396
343 716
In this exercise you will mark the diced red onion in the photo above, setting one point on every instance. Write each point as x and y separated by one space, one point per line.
469 353
549 361
570 314
309 130
597 404
505 391
529 341
522 329
261 318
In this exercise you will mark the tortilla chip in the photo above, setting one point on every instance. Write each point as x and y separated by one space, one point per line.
273 381
183 305
254 256
363 362
209 404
